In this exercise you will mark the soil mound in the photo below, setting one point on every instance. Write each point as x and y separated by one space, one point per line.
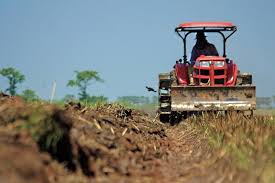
106 142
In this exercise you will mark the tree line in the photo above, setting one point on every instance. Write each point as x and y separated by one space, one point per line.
82 80
265 102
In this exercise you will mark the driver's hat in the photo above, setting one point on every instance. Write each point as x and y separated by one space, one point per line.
200 35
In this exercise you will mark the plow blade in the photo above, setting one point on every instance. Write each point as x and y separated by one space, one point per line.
197 98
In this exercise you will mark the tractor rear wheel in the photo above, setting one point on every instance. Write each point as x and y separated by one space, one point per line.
165 118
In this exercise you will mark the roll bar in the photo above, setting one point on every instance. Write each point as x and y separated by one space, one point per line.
194 29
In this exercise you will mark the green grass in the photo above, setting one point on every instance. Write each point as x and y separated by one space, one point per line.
41 124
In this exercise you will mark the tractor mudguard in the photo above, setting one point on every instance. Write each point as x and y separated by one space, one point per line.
182 73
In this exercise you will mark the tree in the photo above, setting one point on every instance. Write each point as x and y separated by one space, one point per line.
273 100
154 100
14 77
137 100
264 102
83 80
29 95
97 99
68 98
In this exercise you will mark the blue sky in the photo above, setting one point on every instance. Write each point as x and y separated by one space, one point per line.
127 42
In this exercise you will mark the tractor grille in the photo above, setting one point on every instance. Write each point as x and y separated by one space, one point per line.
210 76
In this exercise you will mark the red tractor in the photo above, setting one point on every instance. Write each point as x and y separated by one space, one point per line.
213 83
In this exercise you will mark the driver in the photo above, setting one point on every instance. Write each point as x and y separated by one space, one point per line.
202 47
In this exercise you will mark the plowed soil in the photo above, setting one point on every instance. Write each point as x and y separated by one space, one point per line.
47 143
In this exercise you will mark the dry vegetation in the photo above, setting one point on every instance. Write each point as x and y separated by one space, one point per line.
265 112
249 142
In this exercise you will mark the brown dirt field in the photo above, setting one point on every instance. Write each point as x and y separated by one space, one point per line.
45 143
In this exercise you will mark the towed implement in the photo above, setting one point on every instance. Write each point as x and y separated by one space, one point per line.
212 83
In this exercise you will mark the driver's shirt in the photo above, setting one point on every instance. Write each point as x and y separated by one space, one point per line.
208 50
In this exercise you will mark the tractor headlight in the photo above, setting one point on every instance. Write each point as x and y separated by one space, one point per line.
219 63
205 63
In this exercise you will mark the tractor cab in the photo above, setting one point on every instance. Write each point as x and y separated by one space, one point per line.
207 70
